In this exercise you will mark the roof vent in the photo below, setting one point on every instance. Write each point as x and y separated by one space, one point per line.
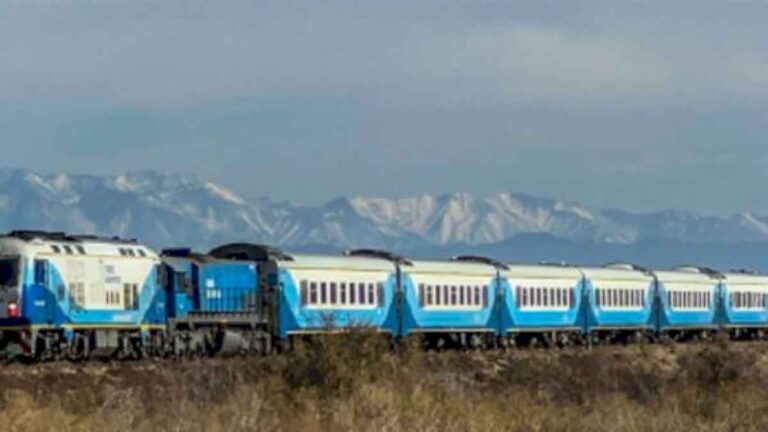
177 252
480 260
249 252
380 254
712 273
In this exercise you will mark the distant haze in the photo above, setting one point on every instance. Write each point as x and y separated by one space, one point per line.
641 105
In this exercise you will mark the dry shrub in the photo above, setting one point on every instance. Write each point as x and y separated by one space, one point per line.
357 382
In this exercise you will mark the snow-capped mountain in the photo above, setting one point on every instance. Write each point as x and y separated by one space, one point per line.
177 210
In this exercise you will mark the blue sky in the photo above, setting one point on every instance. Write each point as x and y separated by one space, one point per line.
639 105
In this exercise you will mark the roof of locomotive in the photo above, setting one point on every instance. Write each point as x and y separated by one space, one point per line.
56 243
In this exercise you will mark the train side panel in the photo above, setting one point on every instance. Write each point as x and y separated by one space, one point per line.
328 294
745 301
450 297
619 299
687 300
542 298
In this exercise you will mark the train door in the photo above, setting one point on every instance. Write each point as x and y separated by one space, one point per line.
45 298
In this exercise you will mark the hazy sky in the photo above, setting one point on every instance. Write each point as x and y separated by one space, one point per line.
641 105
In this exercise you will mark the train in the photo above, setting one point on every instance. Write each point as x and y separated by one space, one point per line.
78 297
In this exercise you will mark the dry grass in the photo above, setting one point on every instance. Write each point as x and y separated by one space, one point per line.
357 383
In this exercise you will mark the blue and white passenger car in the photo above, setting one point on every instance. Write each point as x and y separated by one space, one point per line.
452 301
620 301
745 304
75 295
688 301
325 294
542 301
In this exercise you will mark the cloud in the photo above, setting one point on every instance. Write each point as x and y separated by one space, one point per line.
526 95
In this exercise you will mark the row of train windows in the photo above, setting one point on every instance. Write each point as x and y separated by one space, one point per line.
748 300
130 298
341 293
620 297
544 297
453 295
689 299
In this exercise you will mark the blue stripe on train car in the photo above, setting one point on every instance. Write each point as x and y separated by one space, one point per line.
418 318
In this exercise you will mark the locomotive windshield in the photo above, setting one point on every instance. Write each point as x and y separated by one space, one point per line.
9 272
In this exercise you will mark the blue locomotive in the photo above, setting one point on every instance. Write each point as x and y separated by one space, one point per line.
80 296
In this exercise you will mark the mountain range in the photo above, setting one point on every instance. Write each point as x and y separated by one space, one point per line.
182 210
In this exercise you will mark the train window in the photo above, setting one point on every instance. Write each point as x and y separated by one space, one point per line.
68 249
564 297
343 293
127 303
323 293
478 299
9 272
313 293
460 289
304 293
430 298
522 299
545 296
371 299
55 249
334 295
352 293
41 272
80 250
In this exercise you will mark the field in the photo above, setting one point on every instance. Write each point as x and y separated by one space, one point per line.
357 382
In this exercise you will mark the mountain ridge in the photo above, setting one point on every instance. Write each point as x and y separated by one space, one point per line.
166 210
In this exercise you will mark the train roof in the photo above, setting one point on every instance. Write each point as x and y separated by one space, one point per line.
471 268
689 274
59 243
543 271
745 278
618 272
338 262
